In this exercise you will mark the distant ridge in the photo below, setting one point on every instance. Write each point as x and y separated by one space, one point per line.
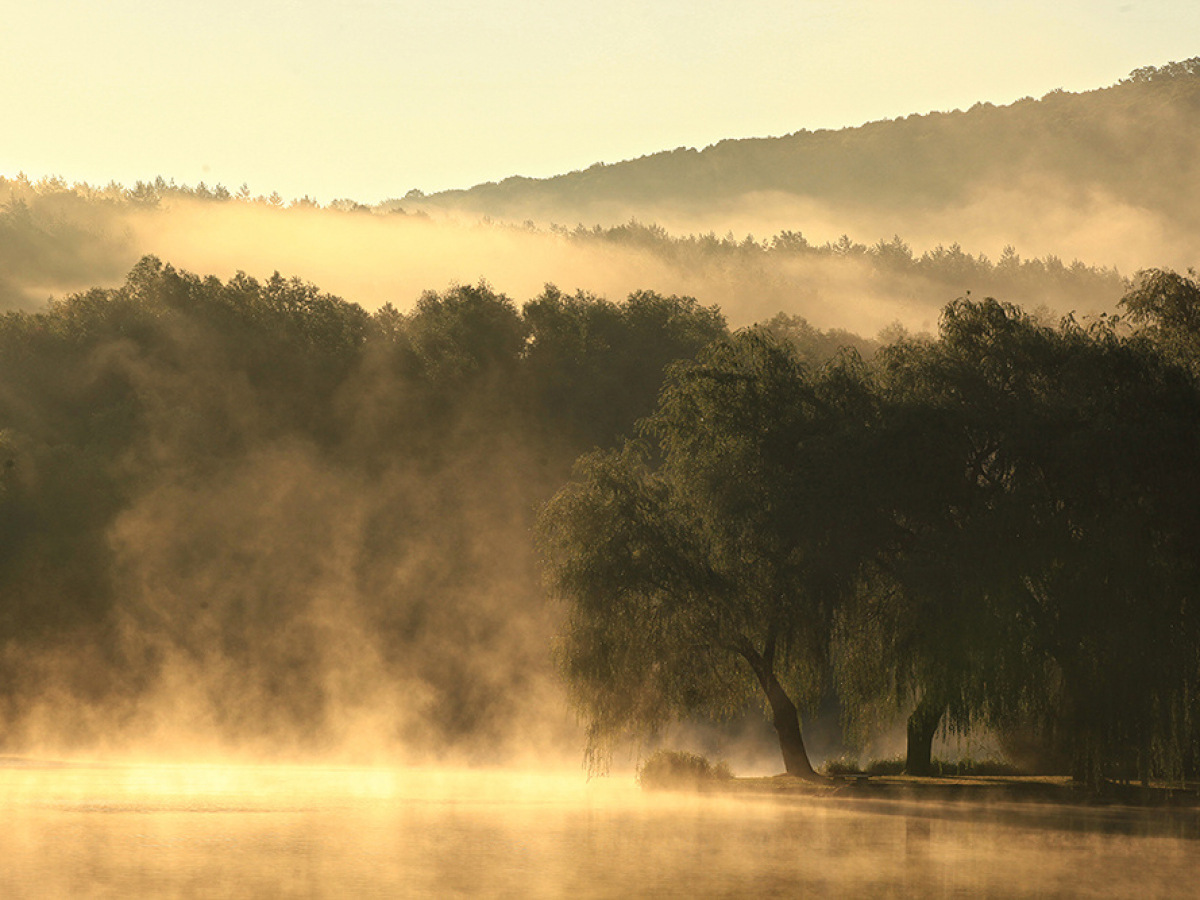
1137 141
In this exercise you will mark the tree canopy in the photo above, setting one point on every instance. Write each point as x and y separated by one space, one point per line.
227 485
702 561
253 489
994 527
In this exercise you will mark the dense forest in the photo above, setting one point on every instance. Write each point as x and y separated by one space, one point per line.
249 515
810 470
994 527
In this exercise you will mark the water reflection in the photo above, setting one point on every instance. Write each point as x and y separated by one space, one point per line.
324 832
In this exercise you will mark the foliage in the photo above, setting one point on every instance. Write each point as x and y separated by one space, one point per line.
1167 305
1047 546
843 765
940 767
243 478
195 471
701 564
666 770
936 271
994 527
596 366
1188 68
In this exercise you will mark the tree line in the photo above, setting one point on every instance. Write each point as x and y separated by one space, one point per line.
934 272
997 526
292 513
287 506
45 221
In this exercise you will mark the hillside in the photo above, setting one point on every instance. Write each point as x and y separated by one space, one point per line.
1050 203
1133 143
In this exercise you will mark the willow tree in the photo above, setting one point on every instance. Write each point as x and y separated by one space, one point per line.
939 627
1045 570
701 563
1167 307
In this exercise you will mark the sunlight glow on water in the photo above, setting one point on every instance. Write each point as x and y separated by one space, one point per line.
215 831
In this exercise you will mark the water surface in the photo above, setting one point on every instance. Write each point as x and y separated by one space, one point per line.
221 831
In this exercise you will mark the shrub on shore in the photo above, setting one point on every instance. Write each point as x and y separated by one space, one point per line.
895 766
666 770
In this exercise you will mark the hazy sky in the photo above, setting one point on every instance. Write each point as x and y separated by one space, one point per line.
369 98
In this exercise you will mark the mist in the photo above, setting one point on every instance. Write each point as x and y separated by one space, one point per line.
373 258
309 535
276 603
344 544
350 573
252 521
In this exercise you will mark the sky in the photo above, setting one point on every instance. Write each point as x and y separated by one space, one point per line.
367 99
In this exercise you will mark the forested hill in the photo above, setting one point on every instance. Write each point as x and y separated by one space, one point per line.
1134 141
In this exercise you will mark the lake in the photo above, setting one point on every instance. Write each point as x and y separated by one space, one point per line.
89 831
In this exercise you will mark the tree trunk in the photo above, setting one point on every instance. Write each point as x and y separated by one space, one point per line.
922 726
1085 764
783 713
787 725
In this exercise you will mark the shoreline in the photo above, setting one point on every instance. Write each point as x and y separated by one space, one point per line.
981 789
1055 803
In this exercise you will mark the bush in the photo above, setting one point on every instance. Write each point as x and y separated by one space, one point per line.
975 767
891 766
843 765
667 770
895 766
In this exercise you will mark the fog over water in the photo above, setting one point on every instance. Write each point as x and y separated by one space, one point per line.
205 550
270 581
178 831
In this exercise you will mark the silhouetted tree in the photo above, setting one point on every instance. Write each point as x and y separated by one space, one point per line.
701 564
596 366
1042 571
1167 305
